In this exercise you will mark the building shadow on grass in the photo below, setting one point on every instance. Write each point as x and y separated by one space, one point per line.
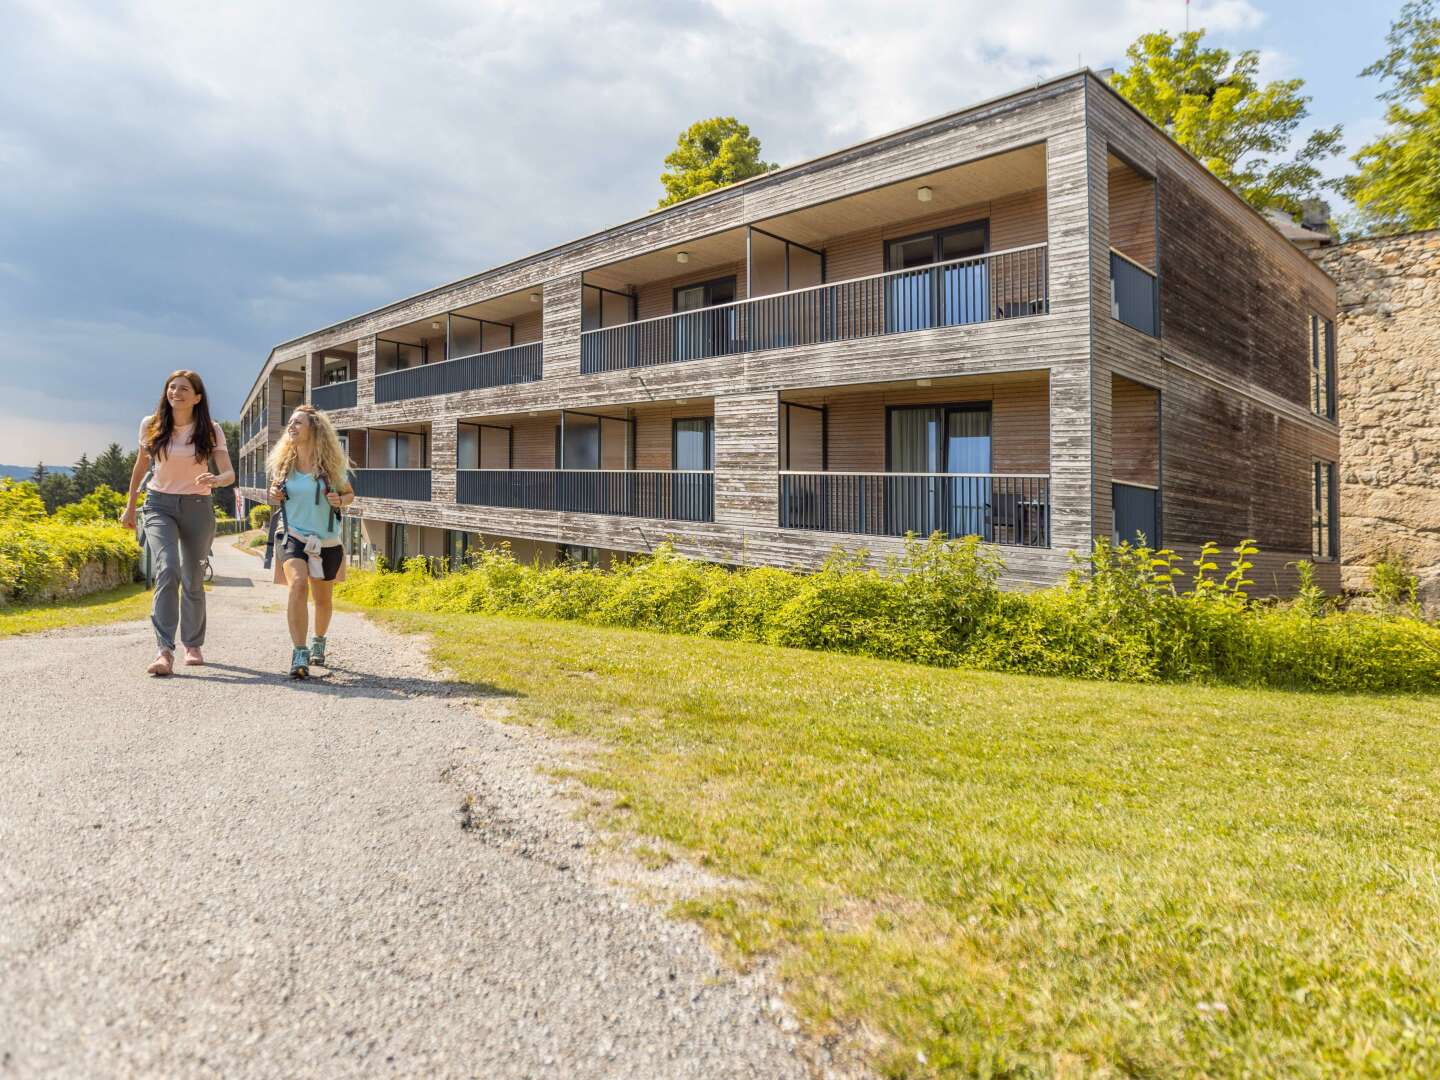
343 682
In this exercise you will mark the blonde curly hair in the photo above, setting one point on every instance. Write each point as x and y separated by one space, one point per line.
329 454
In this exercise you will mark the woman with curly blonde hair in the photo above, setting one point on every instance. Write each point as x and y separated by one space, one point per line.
309 480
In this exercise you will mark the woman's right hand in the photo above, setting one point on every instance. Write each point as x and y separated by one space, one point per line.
277 493
127 517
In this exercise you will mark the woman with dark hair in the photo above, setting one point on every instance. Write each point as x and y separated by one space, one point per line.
179 440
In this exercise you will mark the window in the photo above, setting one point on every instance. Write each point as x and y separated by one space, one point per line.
693 444
927 440
1325 518
289 398
457 543
582 442
577 554
601 307
1322 366
397 355
398 450
952 295
705 333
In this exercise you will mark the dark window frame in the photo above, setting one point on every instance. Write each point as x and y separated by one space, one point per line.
709 441
946 407
938 236
732 279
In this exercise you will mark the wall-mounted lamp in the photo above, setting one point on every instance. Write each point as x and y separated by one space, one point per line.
682 256
924 194
534 297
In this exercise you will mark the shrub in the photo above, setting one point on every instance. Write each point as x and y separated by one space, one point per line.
1121 614
260 515
102 504
43 559
20 501
1395 585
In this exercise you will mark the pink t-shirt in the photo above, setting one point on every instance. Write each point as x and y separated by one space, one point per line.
175 472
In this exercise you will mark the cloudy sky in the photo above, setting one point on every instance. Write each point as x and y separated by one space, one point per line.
185 185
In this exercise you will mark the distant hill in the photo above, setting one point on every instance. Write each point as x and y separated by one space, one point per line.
24 472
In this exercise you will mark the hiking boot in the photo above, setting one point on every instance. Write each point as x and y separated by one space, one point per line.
300 663
193 657
317 650
163 664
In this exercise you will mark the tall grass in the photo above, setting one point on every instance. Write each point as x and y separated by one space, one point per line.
1121 615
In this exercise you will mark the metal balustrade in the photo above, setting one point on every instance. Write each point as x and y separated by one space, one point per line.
499 367
411 484
1134 294
667 494
1000 285
1000 508
332 396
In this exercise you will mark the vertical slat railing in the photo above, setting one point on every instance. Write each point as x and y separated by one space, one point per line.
664 494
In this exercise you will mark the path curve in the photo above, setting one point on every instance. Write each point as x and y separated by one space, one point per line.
229 874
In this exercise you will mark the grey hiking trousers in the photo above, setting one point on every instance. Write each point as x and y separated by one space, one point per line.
179 530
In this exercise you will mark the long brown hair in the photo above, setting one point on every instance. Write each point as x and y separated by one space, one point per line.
162 420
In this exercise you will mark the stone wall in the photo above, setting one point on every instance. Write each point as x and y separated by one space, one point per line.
1389 360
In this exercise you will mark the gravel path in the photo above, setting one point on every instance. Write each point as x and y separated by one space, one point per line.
229 874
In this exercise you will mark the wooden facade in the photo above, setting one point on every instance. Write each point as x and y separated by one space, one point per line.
1211 409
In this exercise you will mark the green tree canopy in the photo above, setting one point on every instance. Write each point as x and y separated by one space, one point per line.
20 502
1212 103
113 467
1398 186
102 504
711 154
56 489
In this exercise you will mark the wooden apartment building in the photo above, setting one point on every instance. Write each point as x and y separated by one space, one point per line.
1037 320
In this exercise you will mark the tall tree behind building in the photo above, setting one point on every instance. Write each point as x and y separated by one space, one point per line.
1397 188
711 154
1213 104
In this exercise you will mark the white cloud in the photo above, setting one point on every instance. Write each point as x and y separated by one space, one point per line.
186 178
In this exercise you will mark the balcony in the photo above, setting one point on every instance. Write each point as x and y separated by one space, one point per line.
499 367
1000 508
983 288
662 493
403 484
1134 294
337 395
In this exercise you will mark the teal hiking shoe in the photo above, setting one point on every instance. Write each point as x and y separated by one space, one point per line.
300 663
317 650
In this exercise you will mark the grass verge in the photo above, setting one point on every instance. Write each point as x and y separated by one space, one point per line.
113 605
968 873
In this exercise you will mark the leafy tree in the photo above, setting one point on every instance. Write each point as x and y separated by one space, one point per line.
56 489
225 497
1398 186
1213 104
20 501
711 154
102 504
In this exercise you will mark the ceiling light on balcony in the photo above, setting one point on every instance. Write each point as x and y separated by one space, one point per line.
924 194
534 297
434 326
682 256
922 382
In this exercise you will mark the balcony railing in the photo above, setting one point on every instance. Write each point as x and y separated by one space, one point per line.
1137 513
1000 508
412 484
1134 294
1000 285
672 495
499 367
332 396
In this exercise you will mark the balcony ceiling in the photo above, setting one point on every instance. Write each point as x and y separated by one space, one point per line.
955 188
954 388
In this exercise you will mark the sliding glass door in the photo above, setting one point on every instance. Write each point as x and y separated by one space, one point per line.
927 295
938 445
702 332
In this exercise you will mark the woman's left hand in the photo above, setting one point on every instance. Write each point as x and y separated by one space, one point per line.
206 480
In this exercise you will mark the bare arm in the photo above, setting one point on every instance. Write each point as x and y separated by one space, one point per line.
142 466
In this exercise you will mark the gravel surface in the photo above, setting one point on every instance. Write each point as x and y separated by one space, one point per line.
225 873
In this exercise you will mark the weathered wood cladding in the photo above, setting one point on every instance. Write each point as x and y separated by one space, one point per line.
365 372
1135 432
747 459
855 421
1021 119
1132 214
562 326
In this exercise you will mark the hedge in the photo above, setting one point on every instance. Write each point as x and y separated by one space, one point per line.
41 560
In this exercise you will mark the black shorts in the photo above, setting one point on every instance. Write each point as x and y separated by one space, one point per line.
330 557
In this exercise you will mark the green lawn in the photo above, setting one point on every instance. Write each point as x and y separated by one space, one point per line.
113 605
978 874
